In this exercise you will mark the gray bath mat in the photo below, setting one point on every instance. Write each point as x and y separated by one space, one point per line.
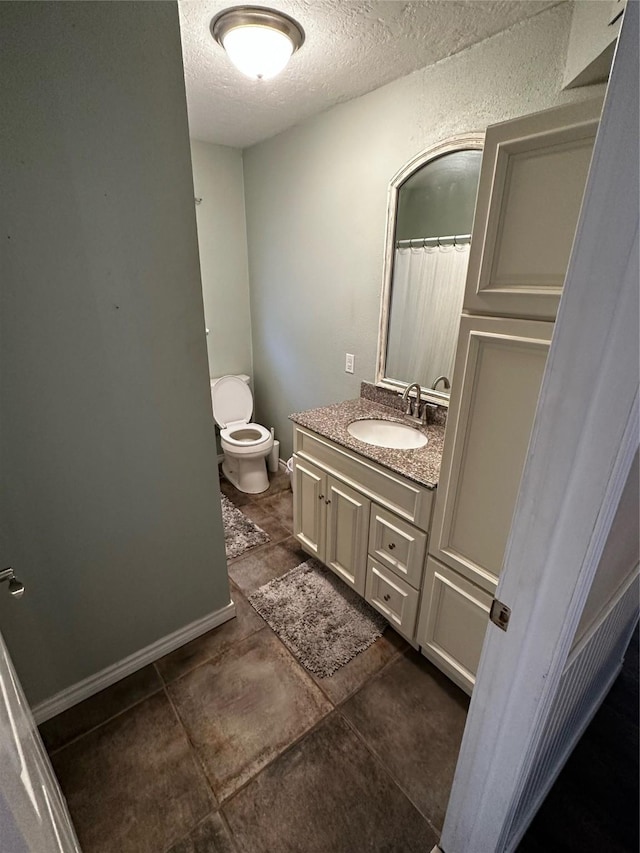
318 617
240 533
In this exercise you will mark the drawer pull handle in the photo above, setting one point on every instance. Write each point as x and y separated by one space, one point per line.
392 545
386 596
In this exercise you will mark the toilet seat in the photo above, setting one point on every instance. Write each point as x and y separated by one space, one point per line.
245 435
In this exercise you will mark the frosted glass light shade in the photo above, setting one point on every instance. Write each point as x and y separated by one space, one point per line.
257 40
259 52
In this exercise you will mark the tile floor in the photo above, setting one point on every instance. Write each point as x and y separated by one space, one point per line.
228 744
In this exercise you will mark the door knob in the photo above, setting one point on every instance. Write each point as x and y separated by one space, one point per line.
16 587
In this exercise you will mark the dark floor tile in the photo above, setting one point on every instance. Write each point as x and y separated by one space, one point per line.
210 836
354 674
99 708
262 565
245 708
281 506
265 518
213 643
413 718
133 784
326 795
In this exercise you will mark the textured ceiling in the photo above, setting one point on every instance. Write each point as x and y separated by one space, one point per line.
351 47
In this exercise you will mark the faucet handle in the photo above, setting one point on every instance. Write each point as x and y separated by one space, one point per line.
427 407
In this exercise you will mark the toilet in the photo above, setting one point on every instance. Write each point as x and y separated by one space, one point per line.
245 445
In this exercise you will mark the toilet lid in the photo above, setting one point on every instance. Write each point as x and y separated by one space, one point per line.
232 401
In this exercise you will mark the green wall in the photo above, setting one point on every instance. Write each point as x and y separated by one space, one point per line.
109 498
222 240
316 201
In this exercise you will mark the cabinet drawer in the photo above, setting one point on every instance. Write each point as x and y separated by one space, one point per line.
453 620
394 598
397 544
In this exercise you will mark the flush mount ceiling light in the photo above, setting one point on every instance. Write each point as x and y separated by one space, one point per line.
258 41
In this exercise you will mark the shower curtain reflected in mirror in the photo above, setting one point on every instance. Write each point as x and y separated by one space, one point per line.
426 303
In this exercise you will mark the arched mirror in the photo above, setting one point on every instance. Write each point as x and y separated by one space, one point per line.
431 206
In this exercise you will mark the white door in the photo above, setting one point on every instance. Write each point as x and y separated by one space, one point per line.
33 813
583 443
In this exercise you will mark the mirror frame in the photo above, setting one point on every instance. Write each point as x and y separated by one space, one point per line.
466 141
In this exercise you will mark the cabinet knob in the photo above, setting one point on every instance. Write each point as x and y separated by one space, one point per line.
392 545
320 497
386 596
328 501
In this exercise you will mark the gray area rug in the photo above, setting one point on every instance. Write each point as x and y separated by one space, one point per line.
240 533
318 617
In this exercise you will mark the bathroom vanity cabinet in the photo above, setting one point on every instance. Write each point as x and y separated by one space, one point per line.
499 368
532 179
368 524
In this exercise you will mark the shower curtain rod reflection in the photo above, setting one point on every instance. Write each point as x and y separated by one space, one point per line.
421 242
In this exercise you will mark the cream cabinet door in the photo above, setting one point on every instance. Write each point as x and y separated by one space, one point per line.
532 180
454 614
347 533
309 507
498 373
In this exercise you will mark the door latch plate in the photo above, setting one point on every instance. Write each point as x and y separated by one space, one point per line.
500 614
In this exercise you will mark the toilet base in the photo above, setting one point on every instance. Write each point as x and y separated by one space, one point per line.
247 475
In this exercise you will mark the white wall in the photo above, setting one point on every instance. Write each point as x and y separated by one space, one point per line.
108 481
222 238
316 199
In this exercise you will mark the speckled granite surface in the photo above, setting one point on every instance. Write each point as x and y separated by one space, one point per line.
387 397
421 465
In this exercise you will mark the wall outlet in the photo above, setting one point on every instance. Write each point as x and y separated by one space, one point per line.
349 362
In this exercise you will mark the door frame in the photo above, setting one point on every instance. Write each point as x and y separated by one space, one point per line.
583 443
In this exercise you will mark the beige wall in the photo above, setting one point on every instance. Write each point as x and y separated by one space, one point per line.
109 498
316 200
222 239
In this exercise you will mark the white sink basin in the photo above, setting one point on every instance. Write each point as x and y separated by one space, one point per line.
387 434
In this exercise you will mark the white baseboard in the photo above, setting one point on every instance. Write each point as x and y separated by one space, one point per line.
105 678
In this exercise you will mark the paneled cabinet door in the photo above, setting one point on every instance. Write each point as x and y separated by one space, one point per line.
532 180
498 373
347 533
309 507
454 615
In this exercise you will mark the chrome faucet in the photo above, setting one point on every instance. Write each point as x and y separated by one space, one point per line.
411 409
445 383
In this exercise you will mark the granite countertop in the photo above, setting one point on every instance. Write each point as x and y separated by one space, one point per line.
422 465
